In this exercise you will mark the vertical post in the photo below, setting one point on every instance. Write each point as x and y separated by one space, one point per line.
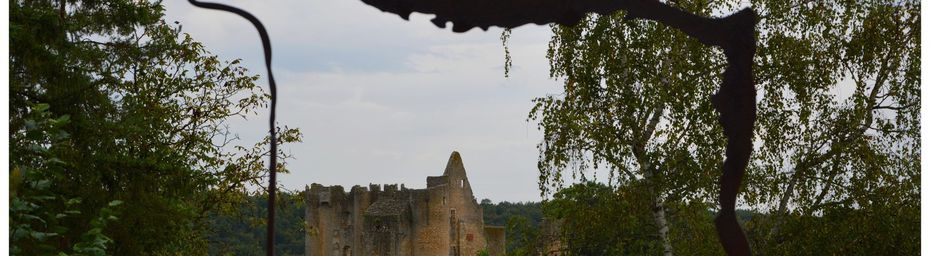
273 156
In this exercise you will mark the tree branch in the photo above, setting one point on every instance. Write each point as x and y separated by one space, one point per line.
735 101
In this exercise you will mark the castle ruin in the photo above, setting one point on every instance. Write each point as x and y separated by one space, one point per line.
442 219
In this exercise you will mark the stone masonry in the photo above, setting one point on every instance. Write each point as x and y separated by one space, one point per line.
442 219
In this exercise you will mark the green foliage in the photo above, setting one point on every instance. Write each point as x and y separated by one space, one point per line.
837 136
635 106
523 239
500 213
242 231
838 128
508 61
594 219
840 231
635 97
521 219
94 242
109 103
38 216
483 253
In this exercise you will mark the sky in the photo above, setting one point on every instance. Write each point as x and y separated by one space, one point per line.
383 100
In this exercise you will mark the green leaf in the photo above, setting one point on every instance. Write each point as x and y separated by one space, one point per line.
115 203
40 107
41 235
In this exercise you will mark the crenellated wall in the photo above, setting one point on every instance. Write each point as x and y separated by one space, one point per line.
442 219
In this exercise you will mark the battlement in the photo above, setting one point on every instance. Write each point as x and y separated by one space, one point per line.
391 219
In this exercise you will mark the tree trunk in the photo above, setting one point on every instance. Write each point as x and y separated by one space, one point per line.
658 213
649 171
658 208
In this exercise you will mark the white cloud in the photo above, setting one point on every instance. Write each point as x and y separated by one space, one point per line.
384 100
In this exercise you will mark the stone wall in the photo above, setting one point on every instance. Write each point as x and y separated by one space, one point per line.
466 217
442 219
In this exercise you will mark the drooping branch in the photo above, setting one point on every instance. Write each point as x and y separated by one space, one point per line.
735 100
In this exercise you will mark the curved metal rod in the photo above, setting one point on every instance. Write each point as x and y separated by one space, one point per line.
273 157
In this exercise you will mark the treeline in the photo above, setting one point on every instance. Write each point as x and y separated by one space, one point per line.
500 213
243 230
595 219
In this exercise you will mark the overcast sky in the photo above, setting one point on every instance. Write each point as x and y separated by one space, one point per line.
383 100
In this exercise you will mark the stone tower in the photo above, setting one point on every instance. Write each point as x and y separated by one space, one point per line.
442 219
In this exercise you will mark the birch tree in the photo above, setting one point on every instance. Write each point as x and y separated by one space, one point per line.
836 170
839 127
635 108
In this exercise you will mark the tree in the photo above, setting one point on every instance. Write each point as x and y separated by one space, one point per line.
735 34
499 214
636 105
839 127
595 219
828 163
37 215
523 239
243 231
146 107
586 214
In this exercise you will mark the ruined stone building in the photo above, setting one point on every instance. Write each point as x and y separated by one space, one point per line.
442 219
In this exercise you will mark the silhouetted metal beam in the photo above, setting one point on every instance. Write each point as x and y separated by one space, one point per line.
735 100
273 157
